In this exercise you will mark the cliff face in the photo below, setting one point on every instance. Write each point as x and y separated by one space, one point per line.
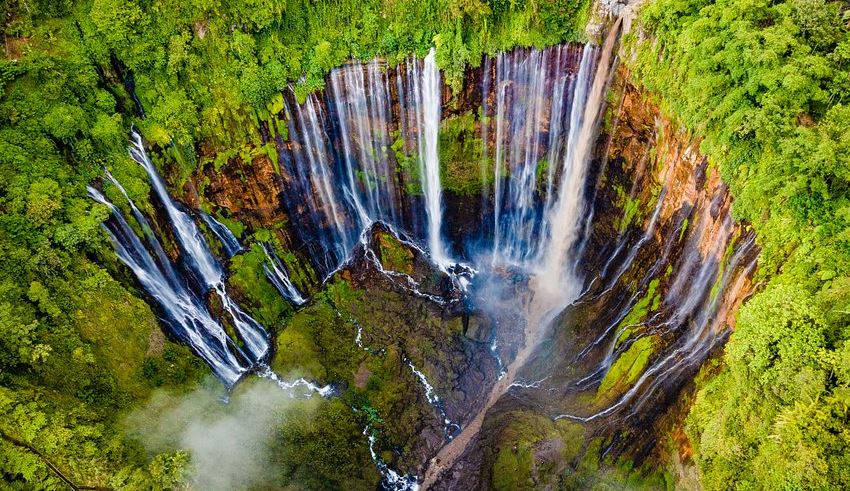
663 264
665 270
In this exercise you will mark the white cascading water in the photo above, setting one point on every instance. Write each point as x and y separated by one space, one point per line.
223 234
429 100
340 177
311 196
532 89
449 428
359 101
181 300
201 261
318 158
183 310
553 283
691 303
277 274
563 216
187 233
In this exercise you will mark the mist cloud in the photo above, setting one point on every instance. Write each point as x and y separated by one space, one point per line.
229 443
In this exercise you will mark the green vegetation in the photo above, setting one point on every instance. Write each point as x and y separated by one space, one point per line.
319 343
248 278
212 71
631 209
67 380
394 255
596 471
767 85
408 165
78 348
532 450
461 148
326 450
649 302
627 368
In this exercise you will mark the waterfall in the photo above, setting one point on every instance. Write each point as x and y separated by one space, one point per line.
197 254
359 102
554 287
277 274
181 299
691 305
311 196
532 91
223 234
192 243
179 289
564 215
182 308
428 103
391 480
340 176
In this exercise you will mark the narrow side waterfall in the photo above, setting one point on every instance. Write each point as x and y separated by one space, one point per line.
277 274
182 307
191 241
196 253
223 234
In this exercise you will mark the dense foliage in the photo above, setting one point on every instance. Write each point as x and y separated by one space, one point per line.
767 85
77 348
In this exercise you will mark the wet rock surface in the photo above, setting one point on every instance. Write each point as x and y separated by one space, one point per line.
659 232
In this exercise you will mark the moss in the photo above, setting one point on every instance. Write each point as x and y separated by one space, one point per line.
319 444
532 450
318 343
408 165
594 472
542 174
341 293
461 155
649 302
174 366
628 367
724 262
301 273
297 353
271 151
683 229
235 226
631 209
127 341
512 469
248 277
394 255
222 158
262 235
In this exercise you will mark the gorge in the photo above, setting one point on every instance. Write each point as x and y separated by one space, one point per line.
533 118
475 260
